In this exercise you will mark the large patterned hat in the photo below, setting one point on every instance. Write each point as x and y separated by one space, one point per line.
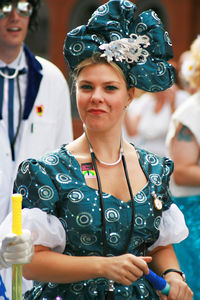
139 45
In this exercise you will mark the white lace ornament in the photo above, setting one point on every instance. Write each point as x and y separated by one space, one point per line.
129 49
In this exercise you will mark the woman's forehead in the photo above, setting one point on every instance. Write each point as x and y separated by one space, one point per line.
105 69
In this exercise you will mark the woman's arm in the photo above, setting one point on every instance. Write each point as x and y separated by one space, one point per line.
164 258
49 266
185 152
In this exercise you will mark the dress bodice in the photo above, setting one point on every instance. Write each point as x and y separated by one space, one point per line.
56 185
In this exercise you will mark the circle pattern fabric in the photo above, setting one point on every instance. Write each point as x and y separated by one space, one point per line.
115 20
62 191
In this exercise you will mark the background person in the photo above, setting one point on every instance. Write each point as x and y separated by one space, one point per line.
147 118
94 232
183 142
35 114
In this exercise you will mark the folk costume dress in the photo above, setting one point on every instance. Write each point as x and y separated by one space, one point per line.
63 213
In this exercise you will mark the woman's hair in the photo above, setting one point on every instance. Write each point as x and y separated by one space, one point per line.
194 79
96 59
34 17
190 67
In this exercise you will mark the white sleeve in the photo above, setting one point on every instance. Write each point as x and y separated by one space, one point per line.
172 228
46 229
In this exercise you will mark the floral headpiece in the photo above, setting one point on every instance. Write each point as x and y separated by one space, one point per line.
139 45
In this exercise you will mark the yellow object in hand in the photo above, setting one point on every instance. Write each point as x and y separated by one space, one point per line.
17 229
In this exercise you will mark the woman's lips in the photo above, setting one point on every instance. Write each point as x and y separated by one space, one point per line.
96 111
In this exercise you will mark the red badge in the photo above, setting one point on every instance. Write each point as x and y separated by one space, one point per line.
39 110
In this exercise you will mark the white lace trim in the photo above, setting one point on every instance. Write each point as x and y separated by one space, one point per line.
129 49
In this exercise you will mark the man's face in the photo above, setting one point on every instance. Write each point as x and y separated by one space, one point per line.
13 29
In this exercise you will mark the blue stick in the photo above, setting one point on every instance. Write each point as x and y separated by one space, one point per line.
158 282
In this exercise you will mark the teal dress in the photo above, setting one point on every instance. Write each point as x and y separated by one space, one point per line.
56 185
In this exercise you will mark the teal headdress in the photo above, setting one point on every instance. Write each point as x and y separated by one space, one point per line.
139 45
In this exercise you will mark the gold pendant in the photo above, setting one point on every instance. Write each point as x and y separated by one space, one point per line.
157 202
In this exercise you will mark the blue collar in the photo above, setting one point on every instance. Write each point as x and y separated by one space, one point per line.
34 80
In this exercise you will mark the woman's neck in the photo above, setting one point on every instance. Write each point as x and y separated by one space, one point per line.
105 146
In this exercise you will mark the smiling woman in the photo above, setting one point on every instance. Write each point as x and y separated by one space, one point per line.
102 91
101 207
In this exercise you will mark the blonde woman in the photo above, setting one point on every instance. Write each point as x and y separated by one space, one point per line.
99 208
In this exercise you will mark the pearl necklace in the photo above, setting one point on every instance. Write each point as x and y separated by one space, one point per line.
110 164
101 161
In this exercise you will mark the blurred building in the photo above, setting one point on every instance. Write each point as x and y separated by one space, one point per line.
180 17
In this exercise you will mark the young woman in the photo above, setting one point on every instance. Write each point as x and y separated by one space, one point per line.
99 208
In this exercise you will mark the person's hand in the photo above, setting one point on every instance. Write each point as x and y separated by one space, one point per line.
126 268
179 290
16 249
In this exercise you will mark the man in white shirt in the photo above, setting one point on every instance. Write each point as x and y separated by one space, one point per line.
35 112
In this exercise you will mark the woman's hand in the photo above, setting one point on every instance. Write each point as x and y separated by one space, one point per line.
179 290
125 268
16 249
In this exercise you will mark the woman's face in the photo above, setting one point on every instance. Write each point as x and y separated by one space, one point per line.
102 96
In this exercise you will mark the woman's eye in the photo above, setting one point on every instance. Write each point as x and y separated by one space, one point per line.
111 87
86 87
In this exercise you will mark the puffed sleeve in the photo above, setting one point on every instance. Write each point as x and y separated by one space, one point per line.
40 196
36 185
46 229
172 228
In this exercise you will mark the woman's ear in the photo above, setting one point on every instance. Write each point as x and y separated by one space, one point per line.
131 93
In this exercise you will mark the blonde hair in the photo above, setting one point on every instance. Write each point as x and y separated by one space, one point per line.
97 59
194 79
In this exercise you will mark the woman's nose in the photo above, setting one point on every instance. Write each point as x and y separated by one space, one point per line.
97 96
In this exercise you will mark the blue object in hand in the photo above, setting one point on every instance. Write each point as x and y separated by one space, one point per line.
158 282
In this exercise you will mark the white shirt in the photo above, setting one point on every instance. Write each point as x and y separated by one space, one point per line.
153 127
188 114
